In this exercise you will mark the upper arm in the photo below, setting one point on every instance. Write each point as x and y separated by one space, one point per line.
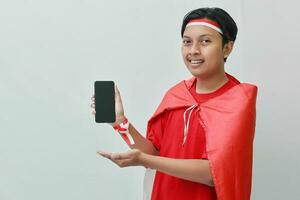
155 130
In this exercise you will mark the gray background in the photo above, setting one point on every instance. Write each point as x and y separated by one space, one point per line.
51 52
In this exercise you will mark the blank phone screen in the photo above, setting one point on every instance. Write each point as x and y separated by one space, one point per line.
105 102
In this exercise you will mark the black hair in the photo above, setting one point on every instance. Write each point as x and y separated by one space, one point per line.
218 15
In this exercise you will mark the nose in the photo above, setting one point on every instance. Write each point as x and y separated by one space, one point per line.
195 49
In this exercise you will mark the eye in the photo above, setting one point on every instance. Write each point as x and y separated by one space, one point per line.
205 41
186 42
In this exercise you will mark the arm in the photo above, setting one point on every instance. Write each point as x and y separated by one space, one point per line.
196 170
140 141
143 153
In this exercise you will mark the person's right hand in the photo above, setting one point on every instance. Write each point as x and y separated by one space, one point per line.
120 116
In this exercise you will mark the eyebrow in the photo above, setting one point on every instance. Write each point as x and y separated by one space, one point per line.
185 36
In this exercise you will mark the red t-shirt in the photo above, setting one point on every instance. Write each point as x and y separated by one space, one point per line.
166 135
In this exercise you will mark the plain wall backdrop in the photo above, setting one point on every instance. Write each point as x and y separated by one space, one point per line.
51 52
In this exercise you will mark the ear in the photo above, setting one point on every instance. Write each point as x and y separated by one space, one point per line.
228 48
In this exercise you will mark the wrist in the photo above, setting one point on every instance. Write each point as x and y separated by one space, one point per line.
143 159
123 129
119 120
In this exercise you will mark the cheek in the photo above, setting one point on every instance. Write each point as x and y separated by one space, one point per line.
182 50
216 54
183 53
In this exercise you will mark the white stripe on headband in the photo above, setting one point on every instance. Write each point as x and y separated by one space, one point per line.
199 23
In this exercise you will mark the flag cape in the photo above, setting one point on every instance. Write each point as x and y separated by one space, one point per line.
229 125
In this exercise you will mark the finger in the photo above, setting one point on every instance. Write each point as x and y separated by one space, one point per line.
120 156
93 98
105 154
120 162
93 112
123 162
93 105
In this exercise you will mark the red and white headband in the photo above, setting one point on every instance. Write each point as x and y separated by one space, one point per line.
205 22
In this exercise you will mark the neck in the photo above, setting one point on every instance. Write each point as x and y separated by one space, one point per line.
211 84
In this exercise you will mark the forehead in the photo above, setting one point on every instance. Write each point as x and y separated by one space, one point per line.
199 30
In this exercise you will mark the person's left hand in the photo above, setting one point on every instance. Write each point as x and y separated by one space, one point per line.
126 159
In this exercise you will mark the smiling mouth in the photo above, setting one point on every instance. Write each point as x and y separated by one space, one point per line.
196 61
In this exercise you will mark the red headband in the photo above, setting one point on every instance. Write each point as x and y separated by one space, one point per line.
205 22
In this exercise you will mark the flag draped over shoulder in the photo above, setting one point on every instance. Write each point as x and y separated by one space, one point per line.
229 124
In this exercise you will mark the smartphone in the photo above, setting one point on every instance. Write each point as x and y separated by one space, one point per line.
105 101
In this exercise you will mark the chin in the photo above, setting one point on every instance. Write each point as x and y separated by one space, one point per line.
200 75
196 72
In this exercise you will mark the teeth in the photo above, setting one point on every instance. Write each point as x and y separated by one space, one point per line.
196 61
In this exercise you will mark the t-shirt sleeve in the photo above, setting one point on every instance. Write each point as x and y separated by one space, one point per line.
204 155
155 130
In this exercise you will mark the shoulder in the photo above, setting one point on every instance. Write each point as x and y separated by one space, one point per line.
183 85
244 90
177 96
247 90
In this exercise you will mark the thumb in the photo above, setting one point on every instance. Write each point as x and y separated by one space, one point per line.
117 94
